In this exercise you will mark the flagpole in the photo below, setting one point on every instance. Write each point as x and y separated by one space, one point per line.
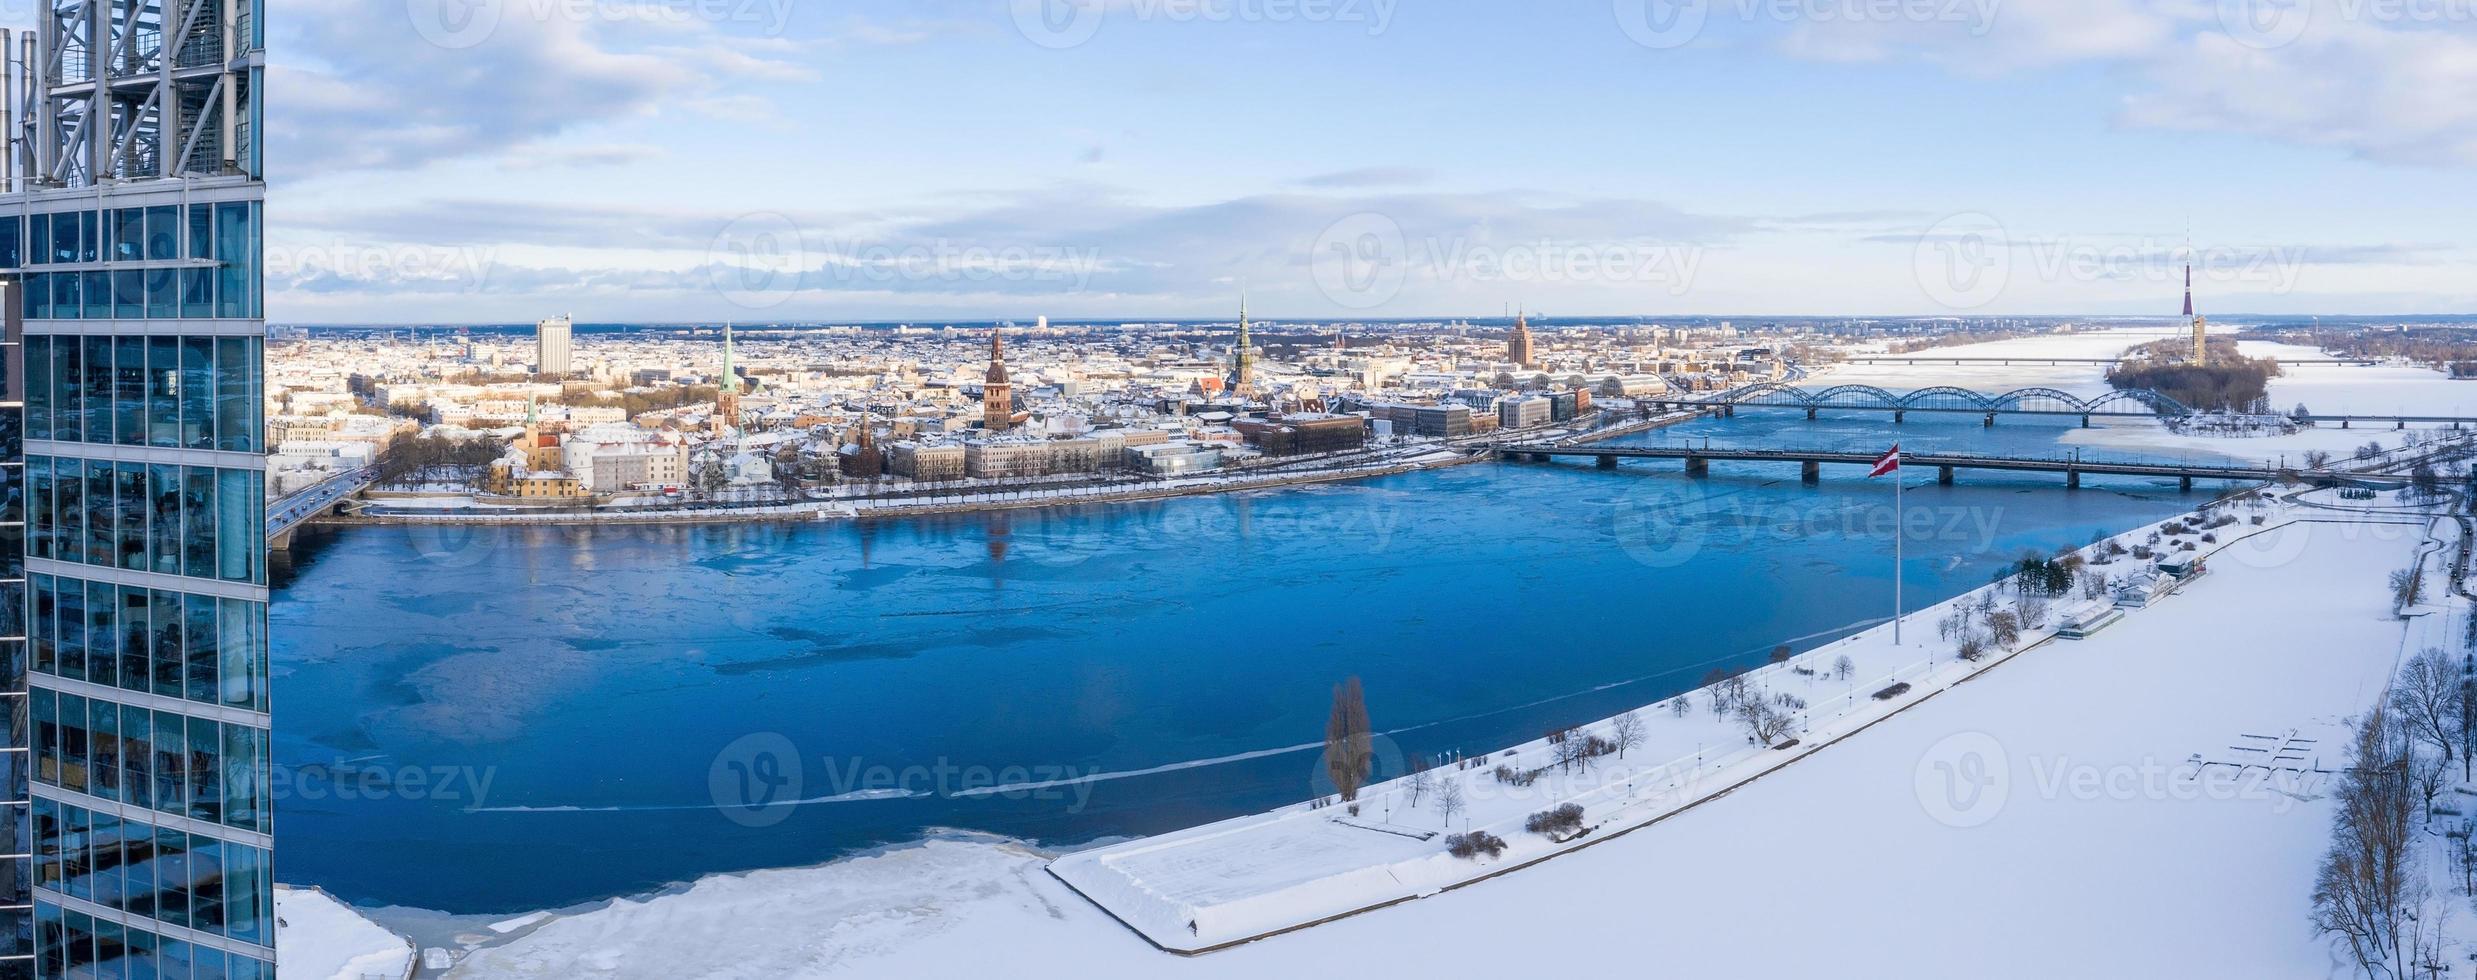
1897 610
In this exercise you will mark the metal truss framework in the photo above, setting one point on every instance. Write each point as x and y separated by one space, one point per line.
2026 401
132 89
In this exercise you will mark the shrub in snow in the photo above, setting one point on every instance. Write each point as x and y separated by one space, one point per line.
1562 822
1474 844
1510 777
1894 691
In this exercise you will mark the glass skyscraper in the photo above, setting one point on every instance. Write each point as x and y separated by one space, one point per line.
138 779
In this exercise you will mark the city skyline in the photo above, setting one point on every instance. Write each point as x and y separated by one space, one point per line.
1583 165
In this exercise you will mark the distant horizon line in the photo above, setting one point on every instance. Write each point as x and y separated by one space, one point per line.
1586 320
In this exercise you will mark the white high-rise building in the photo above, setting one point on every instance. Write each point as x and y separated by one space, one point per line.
551 341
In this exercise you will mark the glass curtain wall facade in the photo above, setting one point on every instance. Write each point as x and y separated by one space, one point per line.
137 637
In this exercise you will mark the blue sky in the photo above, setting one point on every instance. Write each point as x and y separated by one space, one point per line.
502 160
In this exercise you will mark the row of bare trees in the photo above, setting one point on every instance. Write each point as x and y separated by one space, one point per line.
2371 891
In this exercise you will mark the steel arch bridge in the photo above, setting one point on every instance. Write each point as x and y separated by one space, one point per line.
2141 403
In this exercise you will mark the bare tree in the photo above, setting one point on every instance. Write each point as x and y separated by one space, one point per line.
2031 607
2467 700
2369 886
1766 721
2427 775
1678 706
2408 585
1628 732
1449 800
2004 628
1844 668
1420 783
1349 745
2426 699
1728 694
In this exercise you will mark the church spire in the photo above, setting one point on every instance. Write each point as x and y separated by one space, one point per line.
1242 360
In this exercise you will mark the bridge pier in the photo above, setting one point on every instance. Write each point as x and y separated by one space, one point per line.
2072 479
1810 472
2343 423
2403 425
1990 420
1698 466
1899 417
1943 476
1608 462
2184 484
2085 421
1810 415
283 542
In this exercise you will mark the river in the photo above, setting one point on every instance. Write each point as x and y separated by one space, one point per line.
493 720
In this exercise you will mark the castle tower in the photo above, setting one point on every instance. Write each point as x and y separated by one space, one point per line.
998 398
2201 325
1521 348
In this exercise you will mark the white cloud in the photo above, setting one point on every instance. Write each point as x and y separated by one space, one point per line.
365 87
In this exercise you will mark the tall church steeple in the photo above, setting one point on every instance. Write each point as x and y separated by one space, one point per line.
1243 359
997 393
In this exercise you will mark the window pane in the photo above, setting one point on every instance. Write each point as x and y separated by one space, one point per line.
163 494
130 508
39 239
197 392
197 293
129 235
98 295
236 398
242 534
163 385
96 389
206 796
129 390
168 626
172 779
72 626
38 353
163 232
66 286
201 635
102 634
198 522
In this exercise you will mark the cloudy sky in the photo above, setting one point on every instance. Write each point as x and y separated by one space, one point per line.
446 161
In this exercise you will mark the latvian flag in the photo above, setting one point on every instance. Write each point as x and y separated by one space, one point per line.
1890 463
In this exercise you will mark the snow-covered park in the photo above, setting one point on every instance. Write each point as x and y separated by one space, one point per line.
2072 809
